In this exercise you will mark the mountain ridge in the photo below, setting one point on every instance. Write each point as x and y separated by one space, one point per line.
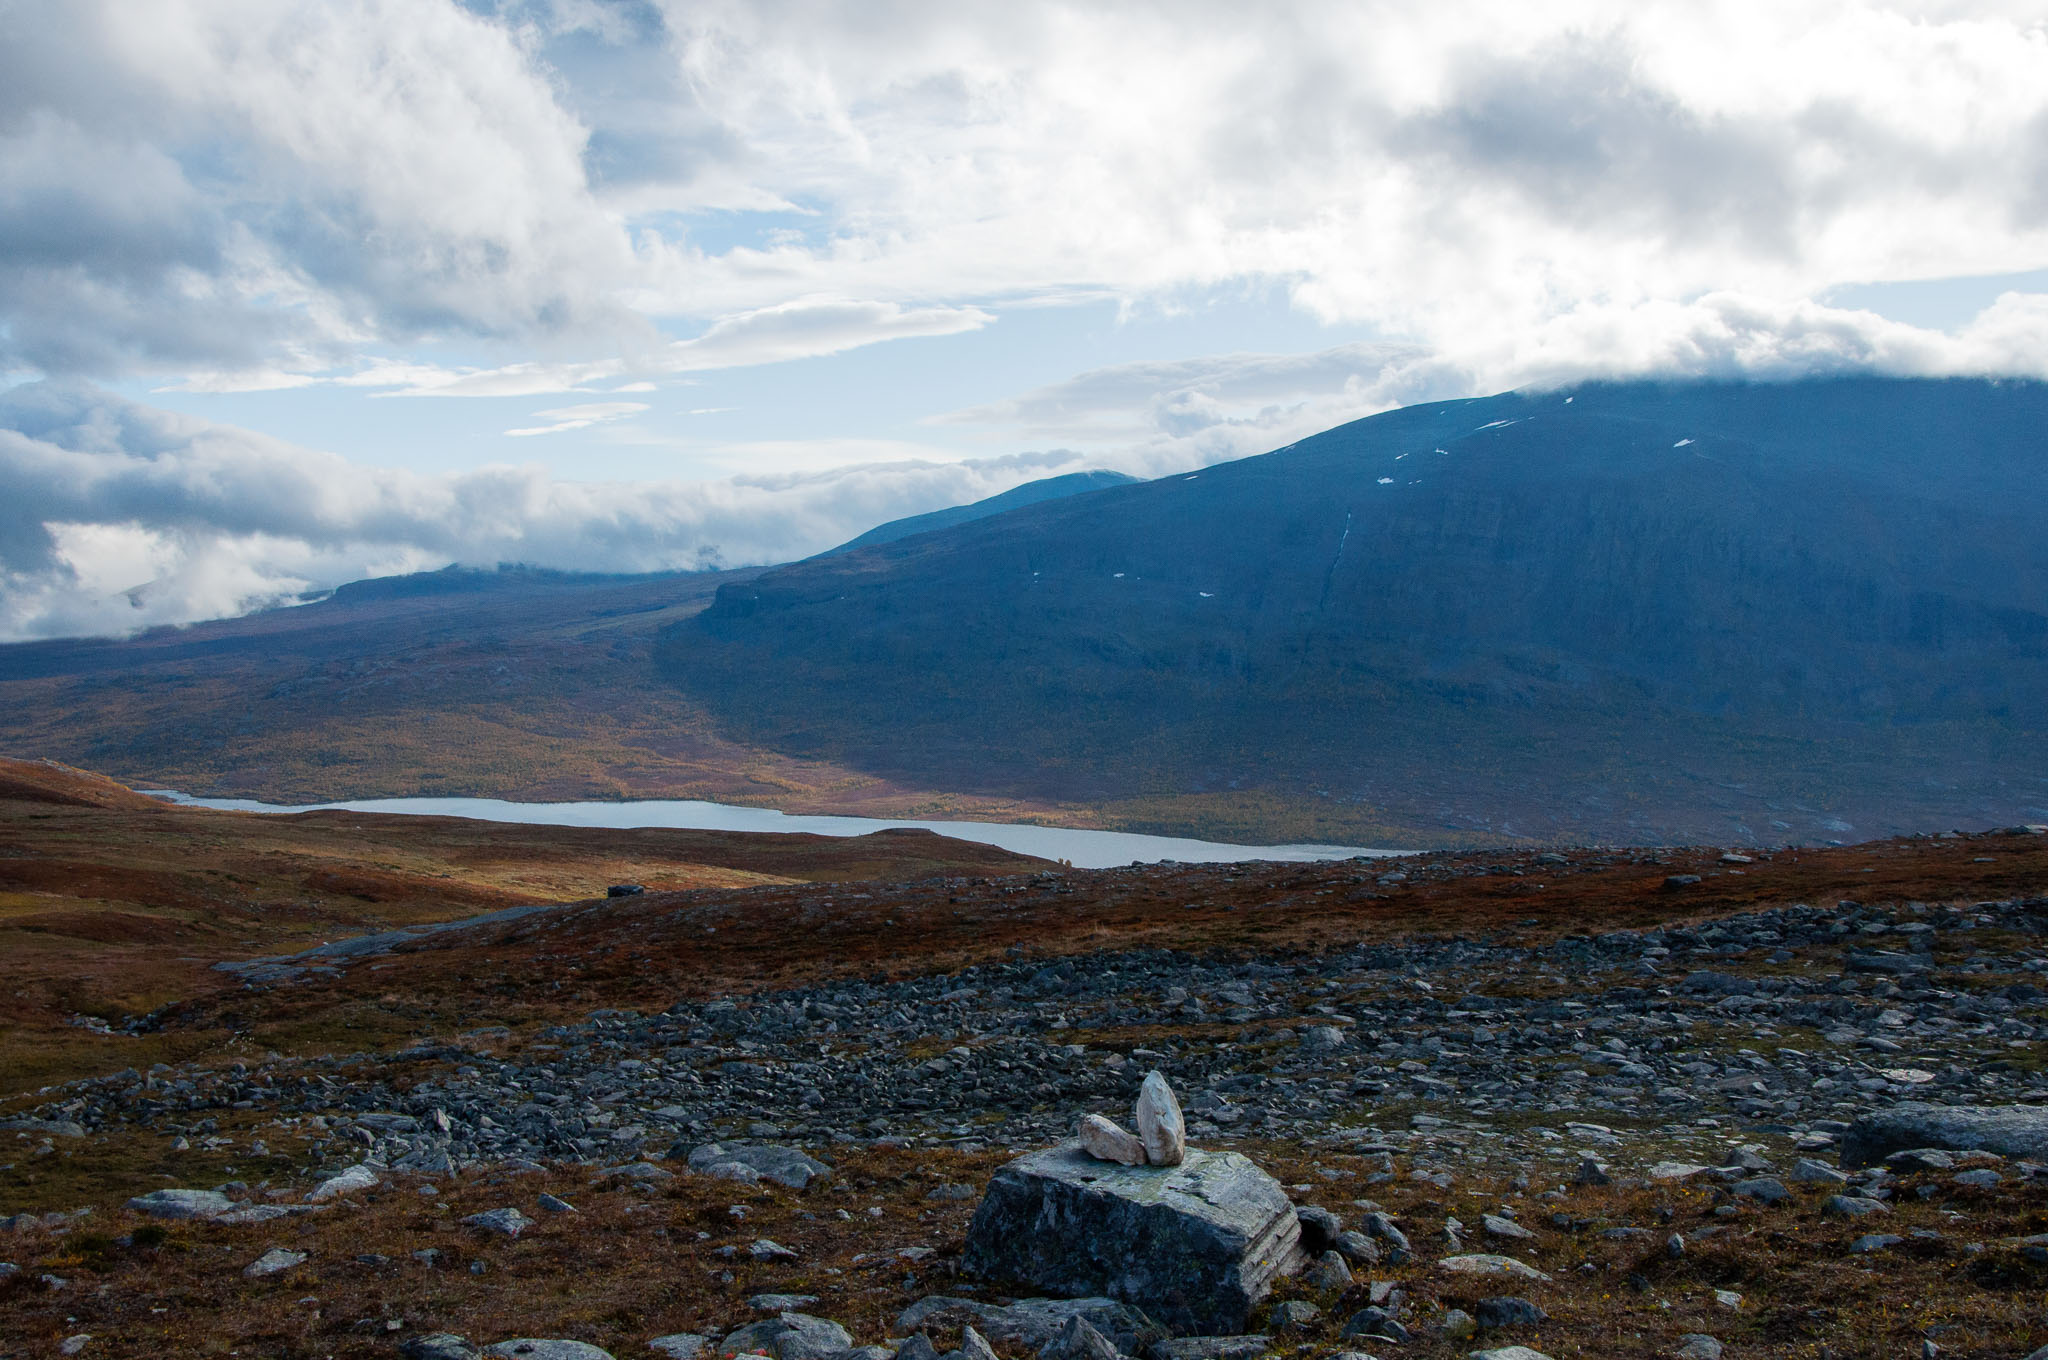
1845 575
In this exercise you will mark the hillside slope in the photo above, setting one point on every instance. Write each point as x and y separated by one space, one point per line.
1769 612
1031 493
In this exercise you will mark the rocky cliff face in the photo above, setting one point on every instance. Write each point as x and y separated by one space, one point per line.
1848 578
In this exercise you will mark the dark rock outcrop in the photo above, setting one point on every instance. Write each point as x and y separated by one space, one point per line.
2009 1130
1196 1245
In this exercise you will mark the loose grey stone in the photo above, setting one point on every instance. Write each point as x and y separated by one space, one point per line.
1763 1189
1497 1226
1508 1311
1480 1263
1212 1348
273 1262
541 1348
1697 1346
680 1345
1076 1340
1375 1321
1853 1206
1319 1229
973 1346
359 1177
789 1336
1111 1141
781 1303
552 1204
1329 1272
1197 1245
182 1204
1295 1315
1159 1122
1870 1242
768 1161
1031 1323
1510 1352
438 1346
1806 1171
507 1222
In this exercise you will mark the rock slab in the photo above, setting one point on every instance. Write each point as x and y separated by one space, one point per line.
1197 1245
2012 1130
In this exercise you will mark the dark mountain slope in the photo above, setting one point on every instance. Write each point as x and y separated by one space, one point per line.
1573 613
1031 493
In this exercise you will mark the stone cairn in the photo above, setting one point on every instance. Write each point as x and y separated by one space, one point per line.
1161 1139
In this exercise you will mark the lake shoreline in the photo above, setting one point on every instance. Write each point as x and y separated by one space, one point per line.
1081 848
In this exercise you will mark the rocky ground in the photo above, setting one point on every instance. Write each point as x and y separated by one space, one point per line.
1648 1116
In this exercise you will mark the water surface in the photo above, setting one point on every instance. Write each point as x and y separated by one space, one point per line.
1082 849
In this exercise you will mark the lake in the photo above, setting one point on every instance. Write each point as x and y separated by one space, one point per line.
1082 849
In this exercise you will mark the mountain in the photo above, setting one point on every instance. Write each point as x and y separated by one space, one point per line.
1747 611
1031 493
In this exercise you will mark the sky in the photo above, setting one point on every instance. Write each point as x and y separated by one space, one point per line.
297 293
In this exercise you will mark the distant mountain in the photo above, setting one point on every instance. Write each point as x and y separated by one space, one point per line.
1031 493
1768 612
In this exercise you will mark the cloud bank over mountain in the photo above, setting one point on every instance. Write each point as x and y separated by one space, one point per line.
116 517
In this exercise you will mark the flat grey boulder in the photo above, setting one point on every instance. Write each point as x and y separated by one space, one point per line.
790 1336
182 1204
438 1346
2013 1130
360 1177
507 1222
541 1348
1212 1348
1031 1324
1482 1263
1196 1245
273 1262
767 1161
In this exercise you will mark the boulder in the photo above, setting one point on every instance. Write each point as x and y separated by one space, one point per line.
2014 1130
506 1222
360 1177
273 1262
1196 1245
790 1336
1031 1324
1077 1340
1481 1263
542 1348
1159 1122
680 1345
438 1346
1213 1348
767 1161
1110 1141
182 1204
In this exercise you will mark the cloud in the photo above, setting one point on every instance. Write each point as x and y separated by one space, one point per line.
564 418
115 516
1161 417
247 193
807 328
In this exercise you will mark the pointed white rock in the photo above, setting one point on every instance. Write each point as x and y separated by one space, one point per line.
1111 1141
1159 1123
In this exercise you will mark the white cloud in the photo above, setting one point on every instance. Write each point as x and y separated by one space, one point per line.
253 191
1161 417
116 517
564 418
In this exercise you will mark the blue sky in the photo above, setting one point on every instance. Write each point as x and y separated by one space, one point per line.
296 292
